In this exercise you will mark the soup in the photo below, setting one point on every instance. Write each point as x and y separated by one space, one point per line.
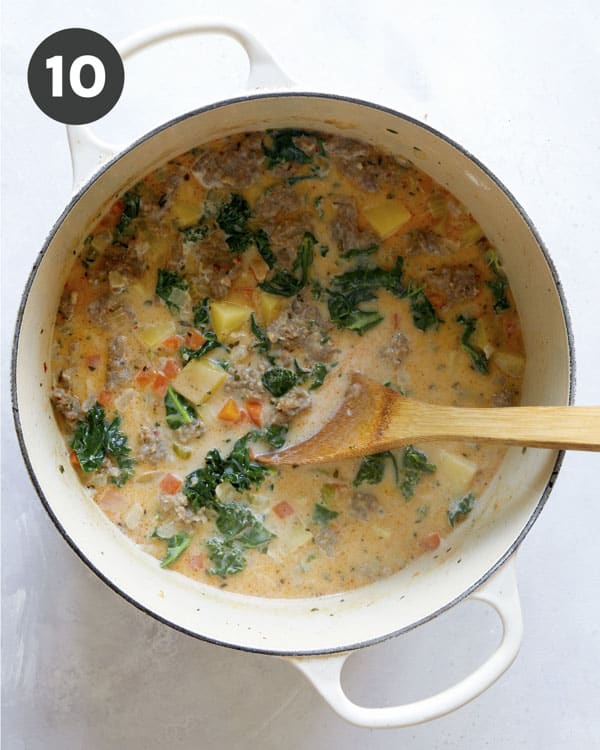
217 311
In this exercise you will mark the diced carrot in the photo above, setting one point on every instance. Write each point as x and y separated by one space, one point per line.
144 377
173 343
170 369
92 361
73 460
230 411
170 484
254 409
105 398
194 338
160 384
283 509
431 541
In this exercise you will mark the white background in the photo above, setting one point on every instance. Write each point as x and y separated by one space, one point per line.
517 84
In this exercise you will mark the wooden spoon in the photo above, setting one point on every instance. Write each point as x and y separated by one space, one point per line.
374 418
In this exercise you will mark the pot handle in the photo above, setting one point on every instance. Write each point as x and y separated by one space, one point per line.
88 152
500 592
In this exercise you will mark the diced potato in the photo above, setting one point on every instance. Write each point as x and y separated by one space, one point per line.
199 380
269 306
472 234
454 473
152 335
186 203
227 317
511 364
291 535
387 216
485 334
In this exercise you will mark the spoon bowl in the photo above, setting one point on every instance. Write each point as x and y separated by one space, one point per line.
373 418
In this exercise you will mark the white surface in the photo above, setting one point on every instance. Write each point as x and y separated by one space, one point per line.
518 88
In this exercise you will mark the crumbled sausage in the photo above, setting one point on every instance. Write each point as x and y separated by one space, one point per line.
455 283
67 405
211 268
178 503
364 164
191 431
301 326
118 368
236 164
278 199
296 400
345 230
151 445
67 303
505 397
128 261
397 349
326 540
425 242
246 381
362 504
108 308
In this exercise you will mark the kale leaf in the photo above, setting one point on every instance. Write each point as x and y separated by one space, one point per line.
323 515
179 410
96 439
202 322
263 344
372 468
211 342
167 282
353 252
241 471
274 434
348 290
278 381
194 233
423 313
233 218
202 315
176 546
460 508
478 357
237 522
318 374
289 283
414 465
279 147
499 284
227 557
131 210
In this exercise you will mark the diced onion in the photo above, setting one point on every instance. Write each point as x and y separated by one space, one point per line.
134 516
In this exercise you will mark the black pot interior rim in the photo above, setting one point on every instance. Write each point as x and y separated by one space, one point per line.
97 176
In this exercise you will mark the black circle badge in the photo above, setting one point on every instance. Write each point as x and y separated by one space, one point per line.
76 76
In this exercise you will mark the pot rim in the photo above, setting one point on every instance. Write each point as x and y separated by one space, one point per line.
98 175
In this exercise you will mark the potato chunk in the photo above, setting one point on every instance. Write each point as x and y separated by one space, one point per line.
387 216
269 306
227 317
511 364
454 472
198 380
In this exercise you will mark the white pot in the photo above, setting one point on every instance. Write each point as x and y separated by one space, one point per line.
316 634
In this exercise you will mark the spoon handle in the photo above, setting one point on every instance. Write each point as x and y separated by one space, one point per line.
563 427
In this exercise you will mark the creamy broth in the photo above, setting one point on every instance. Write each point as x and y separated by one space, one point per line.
217 311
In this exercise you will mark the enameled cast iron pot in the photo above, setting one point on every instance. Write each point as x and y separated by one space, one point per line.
315 634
